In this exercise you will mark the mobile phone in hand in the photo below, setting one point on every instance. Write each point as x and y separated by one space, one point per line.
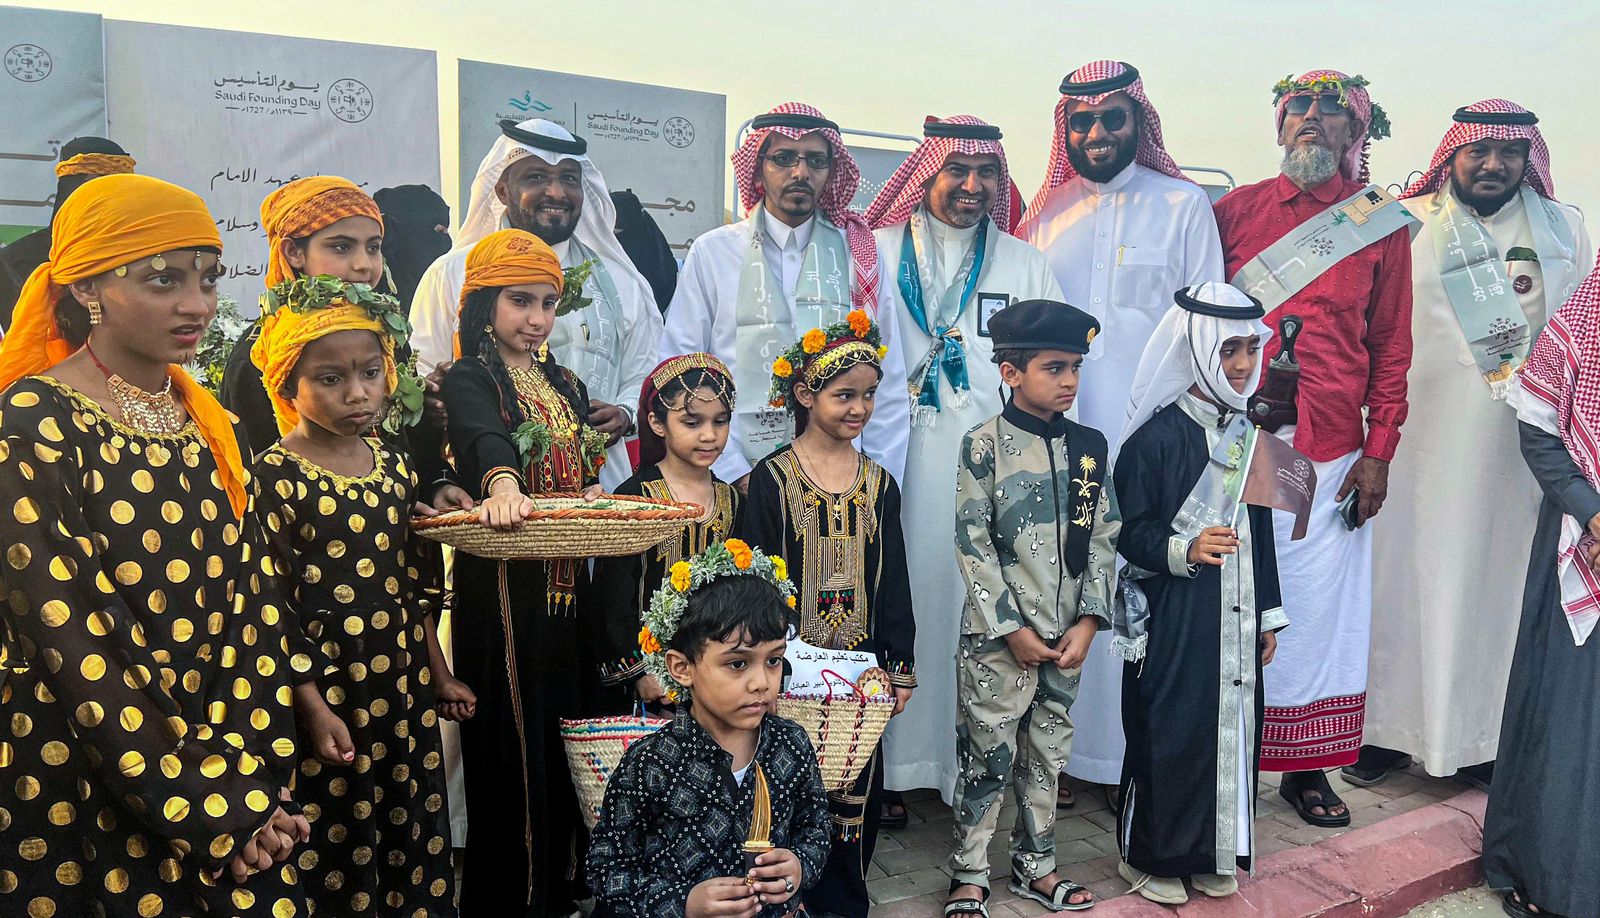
1347 509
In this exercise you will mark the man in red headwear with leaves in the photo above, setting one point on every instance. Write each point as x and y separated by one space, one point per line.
1497 254
801 259
1319 243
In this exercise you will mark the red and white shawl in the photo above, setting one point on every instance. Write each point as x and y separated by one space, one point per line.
1465 131
1359 101
1152 152
1558 391
833 199
908 187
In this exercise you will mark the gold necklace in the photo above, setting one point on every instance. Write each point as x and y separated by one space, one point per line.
152 412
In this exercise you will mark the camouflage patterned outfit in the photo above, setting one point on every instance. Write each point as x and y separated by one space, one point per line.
1036 526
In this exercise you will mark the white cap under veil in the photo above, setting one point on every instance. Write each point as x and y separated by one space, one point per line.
1185 349
596 223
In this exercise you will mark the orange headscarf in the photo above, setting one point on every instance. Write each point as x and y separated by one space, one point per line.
304 206
95 164
507 258
111 222
285 333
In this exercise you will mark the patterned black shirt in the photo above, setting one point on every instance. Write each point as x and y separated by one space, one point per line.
674 817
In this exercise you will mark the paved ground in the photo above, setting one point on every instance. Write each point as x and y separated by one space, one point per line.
908 877
1477 902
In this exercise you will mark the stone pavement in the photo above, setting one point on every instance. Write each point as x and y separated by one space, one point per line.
909 876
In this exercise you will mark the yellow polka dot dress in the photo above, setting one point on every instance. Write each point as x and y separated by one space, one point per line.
341 546
145 720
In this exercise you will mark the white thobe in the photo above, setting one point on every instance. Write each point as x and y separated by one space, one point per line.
920 749
435 314
1119 249
1450 549
703 316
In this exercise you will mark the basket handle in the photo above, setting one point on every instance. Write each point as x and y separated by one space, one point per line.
853 687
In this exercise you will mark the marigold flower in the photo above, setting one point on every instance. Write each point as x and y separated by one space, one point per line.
813 341
860 323
780 567
883 351
790 601
742 555
647 641
680 576
782 368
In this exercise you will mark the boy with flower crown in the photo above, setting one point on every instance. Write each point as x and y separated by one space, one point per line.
686 801
1036 527
834 515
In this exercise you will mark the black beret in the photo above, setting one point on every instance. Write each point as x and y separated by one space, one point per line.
1037 325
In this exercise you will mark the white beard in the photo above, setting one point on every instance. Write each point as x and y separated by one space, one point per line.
1309 165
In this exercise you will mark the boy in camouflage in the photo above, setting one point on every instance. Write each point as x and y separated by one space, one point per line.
1036 527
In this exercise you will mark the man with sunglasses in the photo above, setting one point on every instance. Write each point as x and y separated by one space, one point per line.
1122 228
1496 256
1320 243
800 259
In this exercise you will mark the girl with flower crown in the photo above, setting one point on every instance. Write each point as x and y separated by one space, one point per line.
685 410
833 515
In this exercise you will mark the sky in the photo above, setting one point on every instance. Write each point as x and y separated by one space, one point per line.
880 65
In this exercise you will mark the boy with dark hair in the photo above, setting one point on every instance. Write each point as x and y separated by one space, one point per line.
684 802
1036 527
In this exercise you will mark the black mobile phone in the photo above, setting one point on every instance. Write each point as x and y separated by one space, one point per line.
1347 509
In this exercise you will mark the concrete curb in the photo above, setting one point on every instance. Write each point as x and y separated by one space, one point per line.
1382 871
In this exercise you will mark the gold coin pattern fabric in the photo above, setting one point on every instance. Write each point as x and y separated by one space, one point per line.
145 720
341 547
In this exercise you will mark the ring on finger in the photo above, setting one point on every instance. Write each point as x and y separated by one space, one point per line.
788 885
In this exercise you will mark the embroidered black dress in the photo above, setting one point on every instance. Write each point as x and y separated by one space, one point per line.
847 557
138 647
517 644
342 550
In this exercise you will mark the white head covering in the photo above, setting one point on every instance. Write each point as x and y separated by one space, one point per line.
1186 349
596 224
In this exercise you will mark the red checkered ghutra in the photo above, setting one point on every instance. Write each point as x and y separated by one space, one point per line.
1462 133
907 188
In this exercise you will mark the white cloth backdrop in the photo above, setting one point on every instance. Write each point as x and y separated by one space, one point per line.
235 115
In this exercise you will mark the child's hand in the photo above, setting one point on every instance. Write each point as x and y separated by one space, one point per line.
722 896
776 877
1030 649
649 690
330 738
456 701
447 498
505 510
902 697
1074 645
1212 544
1269 647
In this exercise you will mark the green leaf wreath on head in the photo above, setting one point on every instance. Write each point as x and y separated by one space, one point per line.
1378 126
309 294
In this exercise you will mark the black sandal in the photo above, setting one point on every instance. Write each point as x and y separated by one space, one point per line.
967 905
888 820
1296 793
1065 798
1059 894
1517 905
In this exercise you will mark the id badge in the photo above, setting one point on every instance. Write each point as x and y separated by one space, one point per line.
988 305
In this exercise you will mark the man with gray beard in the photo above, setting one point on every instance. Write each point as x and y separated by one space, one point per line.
1319 243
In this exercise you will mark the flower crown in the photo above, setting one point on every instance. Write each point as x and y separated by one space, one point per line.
309 294
733 558
1378 127
823 353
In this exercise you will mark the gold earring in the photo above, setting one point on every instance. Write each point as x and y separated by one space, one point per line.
488 329
95 315
544 352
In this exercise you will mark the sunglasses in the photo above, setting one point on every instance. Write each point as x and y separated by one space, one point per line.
788 159
1115 119
1326 105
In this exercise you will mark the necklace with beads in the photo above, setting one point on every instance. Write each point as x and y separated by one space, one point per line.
152 412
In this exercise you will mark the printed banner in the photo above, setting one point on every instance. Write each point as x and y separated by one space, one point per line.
53 90
877 165
667 145
236 115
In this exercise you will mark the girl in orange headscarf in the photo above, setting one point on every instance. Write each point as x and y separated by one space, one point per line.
141 663
517 428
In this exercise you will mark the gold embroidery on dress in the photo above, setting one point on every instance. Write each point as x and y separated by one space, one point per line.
835 531
1086 491
560 469
697 536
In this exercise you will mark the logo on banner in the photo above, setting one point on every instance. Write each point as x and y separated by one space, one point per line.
350 100
678 131
528 103
28 63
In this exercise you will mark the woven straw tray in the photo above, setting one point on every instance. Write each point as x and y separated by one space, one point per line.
565 526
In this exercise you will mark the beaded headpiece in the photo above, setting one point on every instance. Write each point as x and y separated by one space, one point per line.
823 353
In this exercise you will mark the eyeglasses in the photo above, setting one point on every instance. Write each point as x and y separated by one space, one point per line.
788 159
1115 119
1326 105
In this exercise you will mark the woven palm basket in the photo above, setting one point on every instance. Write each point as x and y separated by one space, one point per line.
565 526
594 750
844 730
